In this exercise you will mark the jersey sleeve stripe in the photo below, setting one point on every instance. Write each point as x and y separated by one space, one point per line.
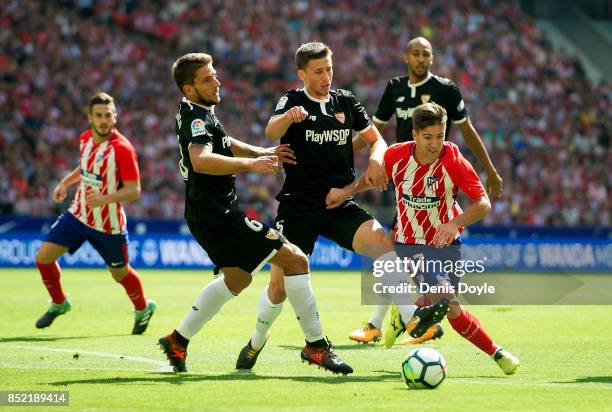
460 120
377 120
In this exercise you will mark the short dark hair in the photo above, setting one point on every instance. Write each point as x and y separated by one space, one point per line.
185 67
100 98
428 114
310 51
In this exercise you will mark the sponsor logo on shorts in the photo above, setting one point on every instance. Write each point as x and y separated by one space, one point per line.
272 234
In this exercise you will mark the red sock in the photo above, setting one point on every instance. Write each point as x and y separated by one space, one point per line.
468 326
133 286
50 273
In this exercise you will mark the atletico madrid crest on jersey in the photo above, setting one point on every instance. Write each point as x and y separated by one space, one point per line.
432 182
340 117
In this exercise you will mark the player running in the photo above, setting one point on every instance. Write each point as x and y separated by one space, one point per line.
107 175
318 122
401 96
427 174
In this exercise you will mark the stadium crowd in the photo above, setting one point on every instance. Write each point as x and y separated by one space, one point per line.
547 128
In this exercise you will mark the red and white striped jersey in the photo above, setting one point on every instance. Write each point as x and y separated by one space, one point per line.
426 194
104 168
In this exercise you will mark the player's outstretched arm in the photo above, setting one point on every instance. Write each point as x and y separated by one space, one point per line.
278 124
205 161
338 195
61 190
446 232
494 182
360 143
242 149
375 173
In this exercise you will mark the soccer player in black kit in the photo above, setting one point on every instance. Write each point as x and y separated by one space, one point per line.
400 97
318 123
237 245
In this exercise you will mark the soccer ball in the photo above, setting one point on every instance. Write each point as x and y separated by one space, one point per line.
424 368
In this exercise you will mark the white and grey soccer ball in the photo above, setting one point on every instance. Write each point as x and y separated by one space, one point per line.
424 368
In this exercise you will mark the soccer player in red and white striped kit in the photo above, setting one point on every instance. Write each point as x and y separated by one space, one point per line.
427 174
107 174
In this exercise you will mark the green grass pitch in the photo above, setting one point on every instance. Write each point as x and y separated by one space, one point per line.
564 352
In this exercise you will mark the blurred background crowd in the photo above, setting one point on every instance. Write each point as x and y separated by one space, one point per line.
546 127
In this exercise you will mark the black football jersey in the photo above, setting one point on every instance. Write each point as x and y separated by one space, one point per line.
208 198
322 144
400 98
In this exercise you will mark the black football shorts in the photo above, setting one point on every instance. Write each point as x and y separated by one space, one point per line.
302 227
238 241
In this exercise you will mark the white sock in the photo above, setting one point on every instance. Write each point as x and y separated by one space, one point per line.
378 316
406 312
207 304
396 277
267 314
299 293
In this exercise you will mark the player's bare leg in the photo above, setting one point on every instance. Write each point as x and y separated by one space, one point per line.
50 272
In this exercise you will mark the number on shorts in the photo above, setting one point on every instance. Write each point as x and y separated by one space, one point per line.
253 224
279 226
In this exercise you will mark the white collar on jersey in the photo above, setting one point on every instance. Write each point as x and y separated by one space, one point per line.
189 102
422 82
314 99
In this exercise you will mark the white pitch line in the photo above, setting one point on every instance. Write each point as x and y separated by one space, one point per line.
164 367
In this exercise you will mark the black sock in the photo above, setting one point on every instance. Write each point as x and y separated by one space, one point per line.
183 341
321 343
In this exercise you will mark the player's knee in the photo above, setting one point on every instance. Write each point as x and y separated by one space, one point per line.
293 260
42 257
118 273
238 282
299 262
386 240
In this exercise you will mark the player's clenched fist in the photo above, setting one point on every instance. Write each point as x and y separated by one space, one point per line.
59 193
296 114
265 164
